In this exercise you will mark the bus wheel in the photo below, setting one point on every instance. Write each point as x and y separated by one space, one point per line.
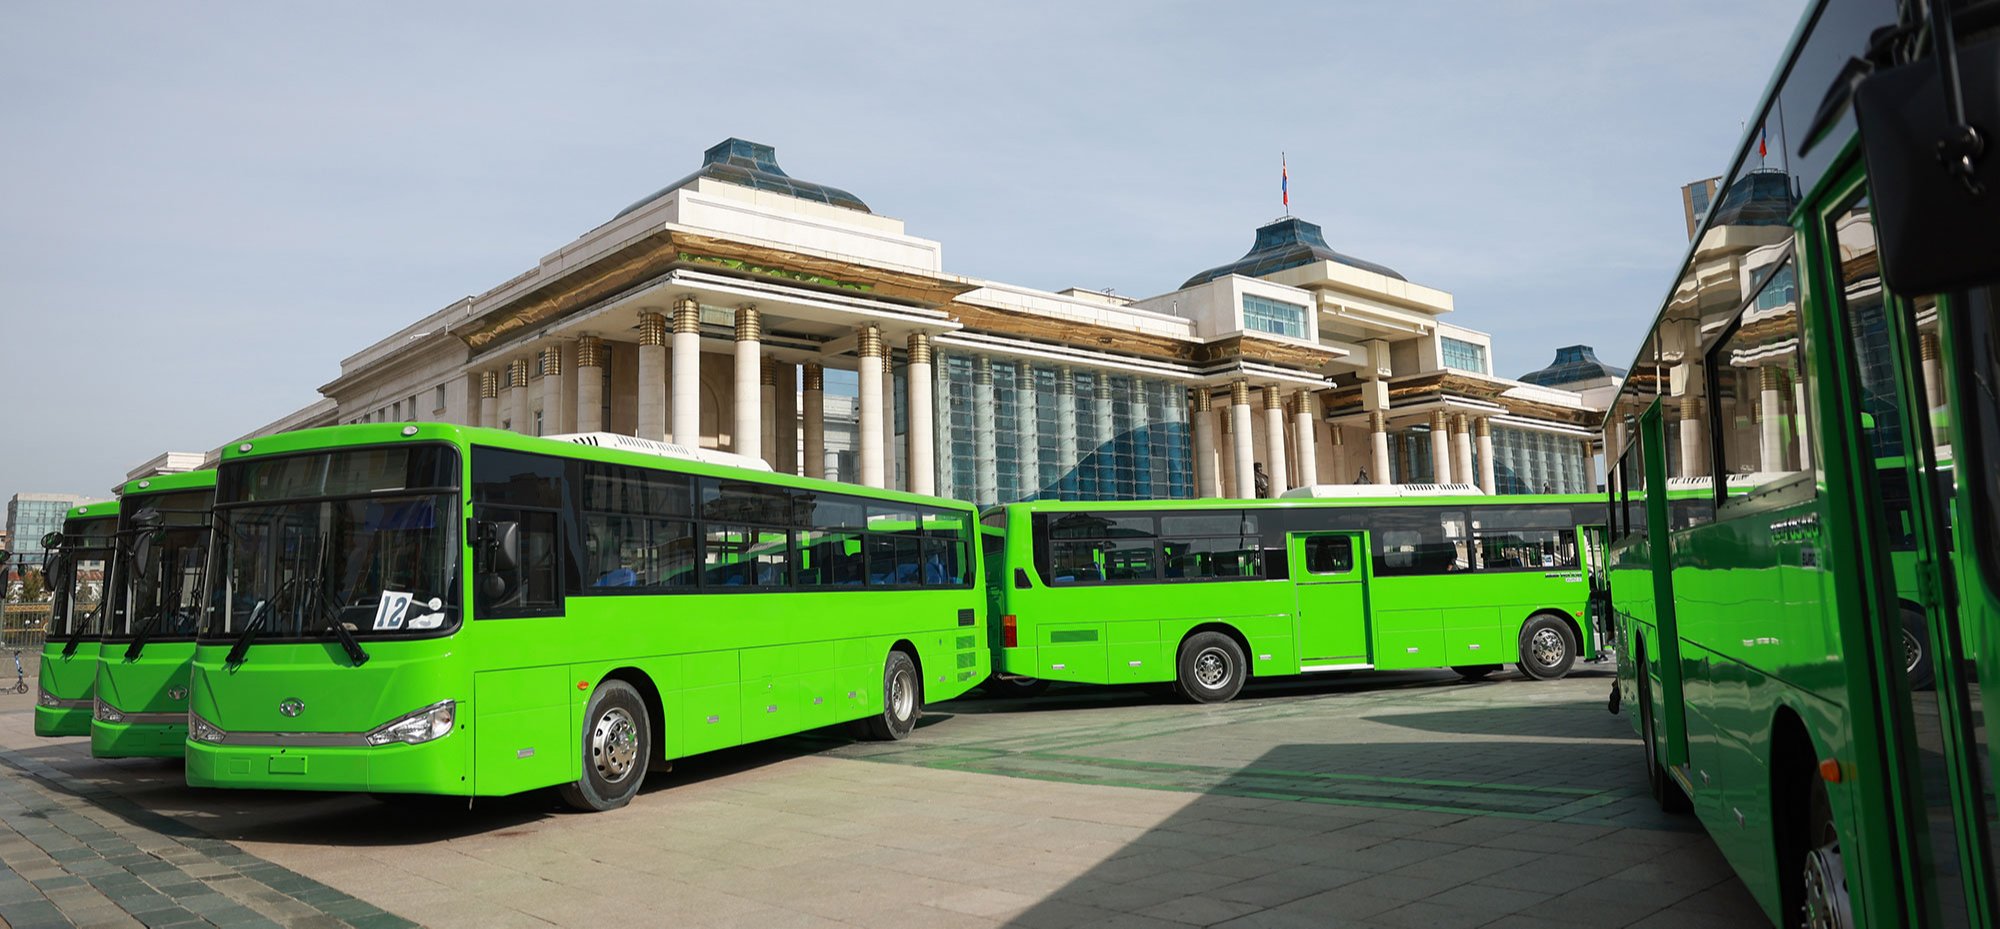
1211 668
1822 887
902 700
1548 648
1665 791
617 741
1917 664
1014 687
1475 672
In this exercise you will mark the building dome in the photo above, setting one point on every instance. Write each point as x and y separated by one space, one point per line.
1760 198
1286 243
754 165
1574 363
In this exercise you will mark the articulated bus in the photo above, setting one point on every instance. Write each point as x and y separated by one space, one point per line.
1205 594
1838 295
148 638
77 573
427 608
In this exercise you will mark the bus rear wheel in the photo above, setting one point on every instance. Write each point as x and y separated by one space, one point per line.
1211 668
617 741
1821 878
1917 664
1548 648
902 701
1475 672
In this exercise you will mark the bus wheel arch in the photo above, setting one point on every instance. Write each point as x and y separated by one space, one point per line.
1812 882
902 696
1212 663
616 743
1549 645
655 707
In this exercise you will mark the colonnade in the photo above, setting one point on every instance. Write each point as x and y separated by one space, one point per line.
530 395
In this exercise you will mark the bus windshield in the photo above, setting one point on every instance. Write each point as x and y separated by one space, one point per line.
78 585
365 538
163 600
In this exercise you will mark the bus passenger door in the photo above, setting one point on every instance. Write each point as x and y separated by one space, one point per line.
1331 583
1590 547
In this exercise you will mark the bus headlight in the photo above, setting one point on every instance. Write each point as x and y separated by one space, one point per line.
43 697
431 722
201 730
106 712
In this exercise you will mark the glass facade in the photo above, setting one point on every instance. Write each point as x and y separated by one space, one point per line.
1273 316
1529 462
31 516
1011 430
1463 355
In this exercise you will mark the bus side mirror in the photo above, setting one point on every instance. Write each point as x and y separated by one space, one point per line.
497 559
144 548
1934 174
52 540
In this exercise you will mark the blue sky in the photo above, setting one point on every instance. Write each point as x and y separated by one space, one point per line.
208 205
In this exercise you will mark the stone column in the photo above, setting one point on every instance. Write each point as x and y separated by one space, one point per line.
1927 346
522 417
1804 429
686 394
1274 439
1484 428
986 477
923 417
1306 440
1771 412
767 405
590 384
1589 468
787 419
1336 453
868 429
746 428
1028 444
1378 442
1694 456
1461 448
815 421
555 406
489 399
1066 457
1440 447
889 469
1206 483
1225 451
1239 424
652 422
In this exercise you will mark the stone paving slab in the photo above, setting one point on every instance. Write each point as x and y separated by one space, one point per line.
1360 800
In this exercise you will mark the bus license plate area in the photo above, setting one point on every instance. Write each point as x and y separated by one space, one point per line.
286 764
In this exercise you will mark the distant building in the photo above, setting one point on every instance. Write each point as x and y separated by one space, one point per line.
33 515
1696 199
744 309
165 463
1576 368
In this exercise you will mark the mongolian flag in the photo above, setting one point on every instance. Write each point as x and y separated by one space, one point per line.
1284 181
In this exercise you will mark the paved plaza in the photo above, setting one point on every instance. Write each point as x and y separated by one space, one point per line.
1390 800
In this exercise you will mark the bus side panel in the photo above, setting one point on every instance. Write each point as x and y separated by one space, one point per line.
1409 638
521 729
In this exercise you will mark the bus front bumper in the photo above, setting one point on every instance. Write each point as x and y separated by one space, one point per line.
438 767
67 717
142 735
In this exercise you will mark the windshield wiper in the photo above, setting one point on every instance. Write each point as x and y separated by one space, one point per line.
332 612
140 635
241 649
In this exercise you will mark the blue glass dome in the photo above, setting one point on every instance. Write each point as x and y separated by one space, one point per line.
1573 363
754 165
1288 243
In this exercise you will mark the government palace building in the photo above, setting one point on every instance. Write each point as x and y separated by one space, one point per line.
743 310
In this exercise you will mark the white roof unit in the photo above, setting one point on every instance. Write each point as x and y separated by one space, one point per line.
1348 491
630 443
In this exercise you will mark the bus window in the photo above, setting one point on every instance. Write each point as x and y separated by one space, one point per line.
1758 398
1329 554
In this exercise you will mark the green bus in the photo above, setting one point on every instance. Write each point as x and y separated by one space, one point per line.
428 608
147 644
85 549
1837 296
1205 594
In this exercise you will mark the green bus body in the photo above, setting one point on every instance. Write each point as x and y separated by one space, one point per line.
141 699
69 652
721 657
1802 650
1414 605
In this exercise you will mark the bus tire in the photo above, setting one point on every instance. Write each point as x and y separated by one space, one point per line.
1548 648
1815 890
1917 664
617 742
1475 672
1014 688
1211 668
902 701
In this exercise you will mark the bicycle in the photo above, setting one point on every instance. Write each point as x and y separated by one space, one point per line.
20 676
